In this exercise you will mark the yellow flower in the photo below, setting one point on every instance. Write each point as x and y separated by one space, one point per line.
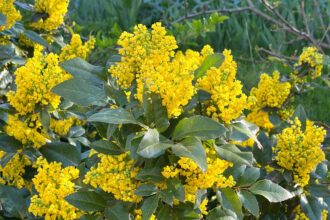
54 11
12 173
62 127
53 184
29 131
8 9
115 174
299 151
228 101
313 60
34 82
76 48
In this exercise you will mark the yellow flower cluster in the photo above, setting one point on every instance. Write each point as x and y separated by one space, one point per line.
247 143
14 170
34 82
76 48
299 151
149 58
25 41
114 174
29 131
138 215
8 9
228 101
194 177
313 59
270 92
54 11
62 127
53 184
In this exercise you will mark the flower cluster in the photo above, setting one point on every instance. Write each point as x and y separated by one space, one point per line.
53 184
299 151
138 215
8 9
195 179
149 58
228 101
52 11
270 92
62 127
13 171
34 82
312 59
76 48
301 216
115 175
28 131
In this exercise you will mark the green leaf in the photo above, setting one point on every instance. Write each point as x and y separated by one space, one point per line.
212 60
176 187
199 197
9 144
250 175
106 147
248 129
311 206
167 196
61 152
45 119
33 36
13 202
117 212
231 153
151 174
234 202
154 110
81 69
301 114
200 127
249 202
116 94
31 153
88 217
264 155
3 19
150 147
114 116
6 158
146 190
220 213
318 190
149 206
80 92
271 191
88 201
192 148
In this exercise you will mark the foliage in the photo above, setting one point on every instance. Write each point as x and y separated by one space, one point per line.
156 132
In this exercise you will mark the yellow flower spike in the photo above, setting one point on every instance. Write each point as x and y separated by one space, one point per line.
8 9
299 151
313 59
54 11
53 184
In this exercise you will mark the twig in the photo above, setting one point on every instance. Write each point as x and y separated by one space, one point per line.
318 12
272 53
302 7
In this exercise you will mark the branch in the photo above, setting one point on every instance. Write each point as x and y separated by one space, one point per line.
318 12
302 7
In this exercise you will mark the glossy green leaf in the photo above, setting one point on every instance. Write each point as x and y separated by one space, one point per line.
318 190
106 147
117 212
176 187
80 92
249 176
264 155
9 144
249 202
167 196
271 191
88 201
6 158
65 153
231 153
311 206
146 190
220 213
248 129
150 147
234 202
192 148
154 110
301 115
212 60
81 69
200 127
13 202
33 36
45 119
149 206
3 19
151 174
114 116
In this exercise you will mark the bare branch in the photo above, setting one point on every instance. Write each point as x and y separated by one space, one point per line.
318 12
302 7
